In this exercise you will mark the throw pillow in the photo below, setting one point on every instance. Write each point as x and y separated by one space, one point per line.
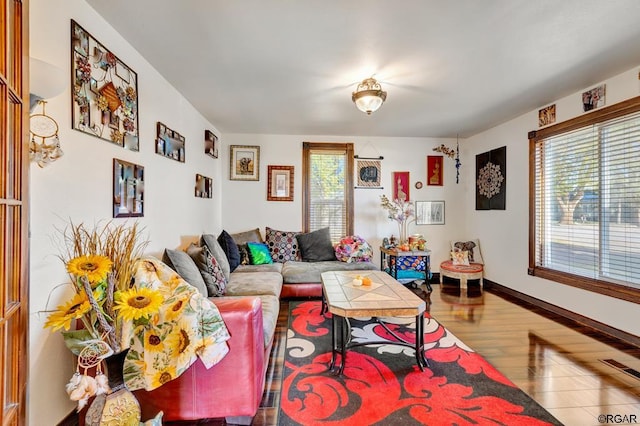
460 257
211 272
259 253
182 263
214 247
316 246
353 249
282 245
242 238
230 249
472 246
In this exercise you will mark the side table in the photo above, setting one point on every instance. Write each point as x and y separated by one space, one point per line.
407 266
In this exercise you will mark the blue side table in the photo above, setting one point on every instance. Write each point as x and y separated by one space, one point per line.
407 267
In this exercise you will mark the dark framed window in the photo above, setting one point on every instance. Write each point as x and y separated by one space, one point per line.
327 187
584 201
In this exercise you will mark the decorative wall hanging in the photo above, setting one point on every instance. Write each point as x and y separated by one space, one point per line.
128 189
104 92
244 162
429 212
435 166
204 186
547 115
280 183
491 179
169 143
454 155
368 172
400 186
210 143
44 147
594 98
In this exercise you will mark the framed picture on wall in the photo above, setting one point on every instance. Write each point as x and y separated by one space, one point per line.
210 144
400 186
280 183
244 162
435 167
429 212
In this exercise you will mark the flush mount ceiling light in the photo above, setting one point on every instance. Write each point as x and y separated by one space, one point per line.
369 96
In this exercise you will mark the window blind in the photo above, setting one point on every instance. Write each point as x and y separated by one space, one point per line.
587 201
328 191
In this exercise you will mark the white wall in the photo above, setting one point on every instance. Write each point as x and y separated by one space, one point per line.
78 187
246 206
504 234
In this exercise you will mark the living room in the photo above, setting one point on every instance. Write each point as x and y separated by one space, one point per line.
78 187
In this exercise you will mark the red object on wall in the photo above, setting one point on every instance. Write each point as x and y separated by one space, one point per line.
400 185
435 167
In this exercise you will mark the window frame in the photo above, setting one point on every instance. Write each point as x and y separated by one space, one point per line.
307 148
617 291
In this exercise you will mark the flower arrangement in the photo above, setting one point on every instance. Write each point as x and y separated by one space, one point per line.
100 262
401 211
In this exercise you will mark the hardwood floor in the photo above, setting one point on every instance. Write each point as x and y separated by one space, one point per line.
556 361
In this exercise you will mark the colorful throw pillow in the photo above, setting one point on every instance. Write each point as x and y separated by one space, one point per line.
316 246
230 248
216 250
210 270
282 245
259 253
471 246
353 249
242 238
460 257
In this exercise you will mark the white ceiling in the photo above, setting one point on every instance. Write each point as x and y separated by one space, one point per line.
454 66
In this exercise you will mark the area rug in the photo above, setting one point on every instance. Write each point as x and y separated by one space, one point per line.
382 385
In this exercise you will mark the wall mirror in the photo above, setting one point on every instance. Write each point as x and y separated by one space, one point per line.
204 186
128 189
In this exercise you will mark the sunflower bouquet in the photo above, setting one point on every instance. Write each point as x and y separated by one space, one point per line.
100 262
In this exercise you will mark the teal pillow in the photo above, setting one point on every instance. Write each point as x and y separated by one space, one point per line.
259 253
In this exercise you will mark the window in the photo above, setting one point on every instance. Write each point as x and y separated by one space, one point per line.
327 192
585 201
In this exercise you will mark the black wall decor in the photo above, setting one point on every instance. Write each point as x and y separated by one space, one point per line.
491 179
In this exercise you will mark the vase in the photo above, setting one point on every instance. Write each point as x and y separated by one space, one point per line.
119 406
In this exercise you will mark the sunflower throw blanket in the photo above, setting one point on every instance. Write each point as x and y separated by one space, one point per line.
188 325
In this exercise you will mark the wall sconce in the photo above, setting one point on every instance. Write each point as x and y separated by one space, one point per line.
369 95
47 149
45 81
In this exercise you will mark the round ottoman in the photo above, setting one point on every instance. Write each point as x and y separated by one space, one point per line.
473 271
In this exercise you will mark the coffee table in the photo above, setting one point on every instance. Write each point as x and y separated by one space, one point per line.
385 297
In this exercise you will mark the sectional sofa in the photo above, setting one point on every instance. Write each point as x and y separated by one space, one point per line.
249 304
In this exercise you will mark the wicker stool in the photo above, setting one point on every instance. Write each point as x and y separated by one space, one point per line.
461 272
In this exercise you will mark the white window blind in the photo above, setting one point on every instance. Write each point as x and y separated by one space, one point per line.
587 201
328 192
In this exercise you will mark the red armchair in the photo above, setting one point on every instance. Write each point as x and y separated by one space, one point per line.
232 388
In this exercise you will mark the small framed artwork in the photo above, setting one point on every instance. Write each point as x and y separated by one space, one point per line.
204 186
547 115
280 183
401 186
210 144
434 170
368 173
429 212
128 189
244 162
170 143
594 98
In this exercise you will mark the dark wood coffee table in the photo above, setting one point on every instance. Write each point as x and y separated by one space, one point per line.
385 297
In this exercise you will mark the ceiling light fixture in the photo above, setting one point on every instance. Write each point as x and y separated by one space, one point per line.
369 95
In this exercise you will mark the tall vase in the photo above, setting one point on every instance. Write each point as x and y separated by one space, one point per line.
118 407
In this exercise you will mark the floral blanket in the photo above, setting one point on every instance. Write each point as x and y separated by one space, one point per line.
187 326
